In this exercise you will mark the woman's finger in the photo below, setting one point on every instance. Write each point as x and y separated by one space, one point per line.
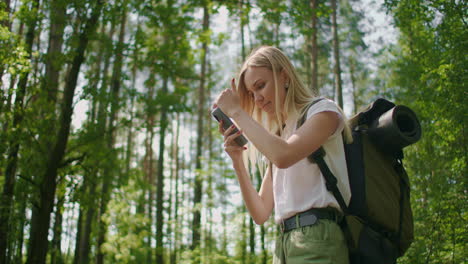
233 147
232 137
228 131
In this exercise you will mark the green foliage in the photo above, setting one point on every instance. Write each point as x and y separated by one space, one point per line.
13 55
214 257
301 12
127 227
274 11
429 71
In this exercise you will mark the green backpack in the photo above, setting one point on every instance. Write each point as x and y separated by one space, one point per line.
378 222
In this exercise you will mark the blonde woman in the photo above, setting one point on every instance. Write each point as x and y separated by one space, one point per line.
266 105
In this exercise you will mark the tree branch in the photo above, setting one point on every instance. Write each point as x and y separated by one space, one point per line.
71 160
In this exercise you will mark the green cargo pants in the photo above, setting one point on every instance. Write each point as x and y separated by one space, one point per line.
322 243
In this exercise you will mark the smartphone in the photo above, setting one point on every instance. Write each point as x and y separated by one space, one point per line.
220 116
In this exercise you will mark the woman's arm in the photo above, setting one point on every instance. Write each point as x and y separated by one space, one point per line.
260 205
284 153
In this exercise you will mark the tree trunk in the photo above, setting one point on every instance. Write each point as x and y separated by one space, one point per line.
110 137
173 258
56 252
201 113
79 231
336 55
160 179
170 209
129 145
244 235
129 154
242 25
54 51
251 241
314 47
6 202
50 84
352 73
40 220
85 242
87 210
262 241
97 108
149 174
211 154
102 98
21 220
85 220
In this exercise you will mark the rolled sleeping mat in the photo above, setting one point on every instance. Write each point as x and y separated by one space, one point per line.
395 129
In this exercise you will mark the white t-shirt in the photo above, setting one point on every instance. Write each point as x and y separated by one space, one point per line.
302 186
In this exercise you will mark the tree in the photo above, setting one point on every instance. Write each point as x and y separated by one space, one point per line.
115 86
427 75
92 138
198 190
37 248
336 55
313 46
14 144
305 17
268 31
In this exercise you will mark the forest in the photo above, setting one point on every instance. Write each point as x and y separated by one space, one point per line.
109 153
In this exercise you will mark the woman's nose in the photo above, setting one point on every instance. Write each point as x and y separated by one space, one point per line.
258 97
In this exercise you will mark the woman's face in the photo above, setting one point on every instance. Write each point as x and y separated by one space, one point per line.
261 86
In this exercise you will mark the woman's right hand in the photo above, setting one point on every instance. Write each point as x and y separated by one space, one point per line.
230 146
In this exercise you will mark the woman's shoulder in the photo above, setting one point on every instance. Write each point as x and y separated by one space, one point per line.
322 104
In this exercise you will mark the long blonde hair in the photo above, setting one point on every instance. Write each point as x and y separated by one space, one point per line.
298 97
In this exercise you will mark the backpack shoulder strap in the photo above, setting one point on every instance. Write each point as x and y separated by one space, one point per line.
318 158
330 179
303 118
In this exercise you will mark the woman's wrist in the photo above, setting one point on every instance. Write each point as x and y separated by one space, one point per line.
237 161
238 165
235 113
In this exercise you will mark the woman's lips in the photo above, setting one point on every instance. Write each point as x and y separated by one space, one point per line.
265 105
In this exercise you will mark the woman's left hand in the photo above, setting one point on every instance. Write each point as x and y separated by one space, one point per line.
228 100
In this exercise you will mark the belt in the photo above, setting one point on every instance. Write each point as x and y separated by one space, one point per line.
309 217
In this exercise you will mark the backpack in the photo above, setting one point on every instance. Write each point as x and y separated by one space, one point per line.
378 223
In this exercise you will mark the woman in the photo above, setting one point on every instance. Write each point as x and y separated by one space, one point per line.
266 105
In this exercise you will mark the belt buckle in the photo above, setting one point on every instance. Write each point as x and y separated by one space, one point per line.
308 220
282 226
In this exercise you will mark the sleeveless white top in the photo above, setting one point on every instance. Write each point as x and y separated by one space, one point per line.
302 186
